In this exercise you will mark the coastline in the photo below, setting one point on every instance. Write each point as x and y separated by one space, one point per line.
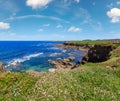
94 53
96 77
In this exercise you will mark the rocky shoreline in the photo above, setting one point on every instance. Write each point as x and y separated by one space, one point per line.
67 63
80 48
94 53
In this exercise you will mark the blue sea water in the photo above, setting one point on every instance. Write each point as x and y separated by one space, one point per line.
32 55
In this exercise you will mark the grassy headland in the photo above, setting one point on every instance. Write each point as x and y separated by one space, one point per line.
90 82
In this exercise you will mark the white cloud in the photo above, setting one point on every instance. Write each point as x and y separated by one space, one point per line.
40 30
46 25
37 3
4 25
59 26
74 29
114 14
36 16
118 2
77 1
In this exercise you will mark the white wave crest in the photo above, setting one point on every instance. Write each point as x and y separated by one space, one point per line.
55 54
15 62
53 48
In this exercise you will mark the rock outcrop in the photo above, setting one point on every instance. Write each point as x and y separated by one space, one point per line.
63 63
99 53
2 67
77 47
95 53
81 62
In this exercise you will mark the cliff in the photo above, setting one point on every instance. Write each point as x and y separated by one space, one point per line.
99 53
98 50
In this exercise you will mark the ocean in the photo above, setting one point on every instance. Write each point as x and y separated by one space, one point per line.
33 55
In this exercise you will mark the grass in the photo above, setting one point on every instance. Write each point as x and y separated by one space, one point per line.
114 60
113 43
82 84
90 82
15 86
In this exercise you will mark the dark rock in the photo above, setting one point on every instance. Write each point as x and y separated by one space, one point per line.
82 62
99 53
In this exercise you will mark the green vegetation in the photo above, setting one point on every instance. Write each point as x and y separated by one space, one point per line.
90 82
114 43
114 60
81 84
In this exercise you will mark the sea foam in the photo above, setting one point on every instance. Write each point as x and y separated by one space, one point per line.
14 62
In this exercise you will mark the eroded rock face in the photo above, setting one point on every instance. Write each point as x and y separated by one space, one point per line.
99 53
2 67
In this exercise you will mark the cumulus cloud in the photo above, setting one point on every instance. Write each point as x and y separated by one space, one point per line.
114 14
4 25
37 3
74 29
59 26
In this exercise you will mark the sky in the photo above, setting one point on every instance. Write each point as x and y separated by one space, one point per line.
59 19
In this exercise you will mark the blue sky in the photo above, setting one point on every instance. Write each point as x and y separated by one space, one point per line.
59 19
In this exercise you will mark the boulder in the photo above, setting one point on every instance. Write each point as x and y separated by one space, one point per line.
66 60
63 63
53 62
71 58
